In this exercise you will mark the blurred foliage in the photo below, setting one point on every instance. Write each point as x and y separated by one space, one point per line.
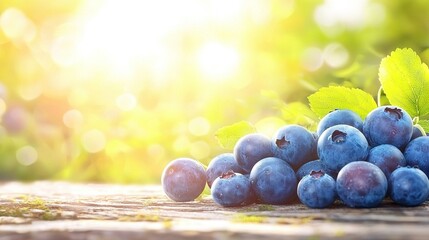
114 90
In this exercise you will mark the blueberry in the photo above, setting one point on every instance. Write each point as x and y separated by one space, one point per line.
388 125
231 190
387 157
340 145
337 117
222 163
408 186
361 185
273 181
294 144
314 165
250 149
417 154
317 190
306 169
416 133
183 179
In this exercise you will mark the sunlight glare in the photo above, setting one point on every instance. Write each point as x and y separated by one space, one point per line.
27 155
218 61
94 141
126 102
17 26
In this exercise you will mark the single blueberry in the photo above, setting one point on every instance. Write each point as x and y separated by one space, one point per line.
417 153
337 117
317 190
250 149
409 186
183 179
222 163
340 145
231 190
361 185
387 157
416 133
314 165
294 144
273 181
388 125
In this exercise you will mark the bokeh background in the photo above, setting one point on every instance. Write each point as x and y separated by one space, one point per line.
111 91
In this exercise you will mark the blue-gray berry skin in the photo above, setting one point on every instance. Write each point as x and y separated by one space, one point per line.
252 148
409 186
273 181
388 125
340 145
387 157
361 185
220 164
416 133
183 179
317 190
417 153
232 190
294 144
337 117
315 165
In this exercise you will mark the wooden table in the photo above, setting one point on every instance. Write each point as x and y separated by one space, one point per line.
60 210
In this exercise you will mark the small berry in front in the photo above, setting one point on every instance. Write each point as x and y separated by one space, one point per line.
183 179
337 117
317 190
387 157
340 145
361 185
408 186
220 164
417 154
232 190
250 149
273 181
388 125
314 165
294 144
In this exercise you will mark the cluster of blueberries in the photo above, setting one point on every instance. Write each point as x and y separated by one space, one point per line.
358 162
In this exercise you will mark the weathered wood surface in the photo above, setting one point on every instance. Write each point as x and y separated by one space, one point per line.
59 210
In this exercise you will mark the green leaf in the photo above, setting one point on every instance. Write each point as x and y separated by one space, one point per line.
424 124
338 97
227 136
299 113
405 80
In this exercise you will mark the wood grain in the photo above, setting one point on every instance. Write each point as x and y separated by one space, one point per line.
61 210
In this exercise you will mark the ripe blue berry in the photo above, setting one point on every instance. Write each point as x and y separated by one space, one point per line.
183 179
416 133
317 190
340 145
409 186
388 125
273 181
337 117
231 190
387 157
250 149
222 163
417 154
294 144
315 165
361 185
